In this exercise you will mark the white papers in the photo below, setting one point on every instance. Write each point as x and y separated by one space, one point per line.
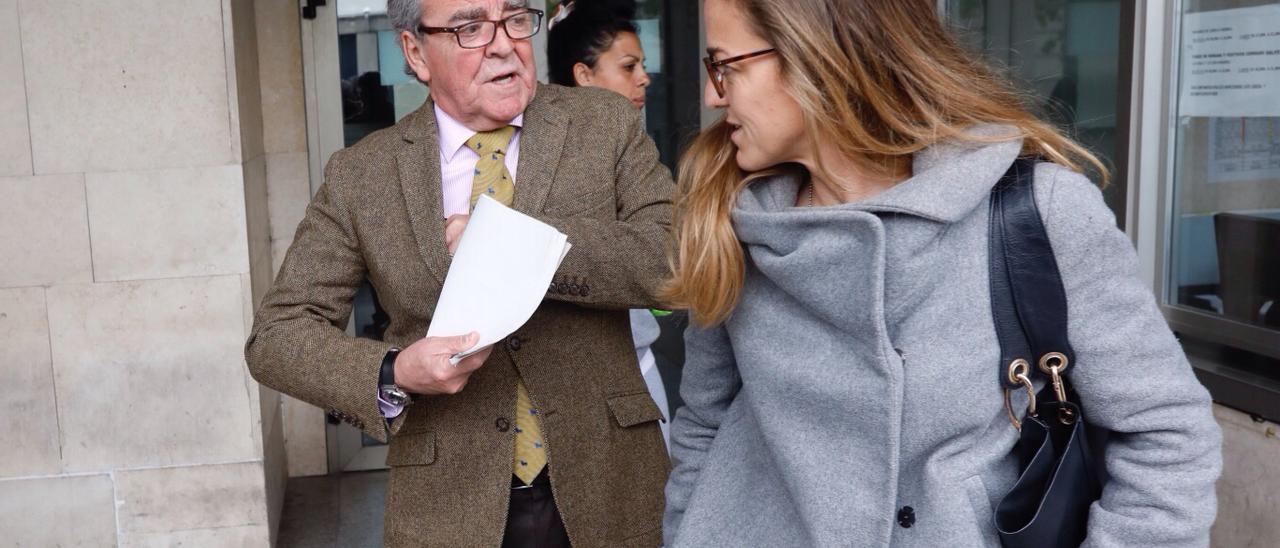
1231 63
499 275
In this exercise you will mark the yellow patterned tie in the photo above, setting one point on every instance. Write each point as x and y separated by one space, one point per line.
491 176
493 179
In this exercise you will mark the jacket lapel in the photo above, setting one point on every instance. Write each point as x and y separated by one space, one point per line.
419 165
541 144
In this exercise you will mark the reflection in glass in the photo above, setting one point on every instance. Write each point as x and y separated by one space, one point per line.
1067 55
1225 252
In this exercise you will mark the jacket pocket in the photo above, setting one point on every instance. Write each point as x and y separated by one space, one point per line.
415 449
633 409
983 515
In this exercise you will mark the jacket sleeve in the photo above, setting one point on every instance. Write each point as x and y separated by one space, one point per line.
709 385
298 344
1133 379
621 262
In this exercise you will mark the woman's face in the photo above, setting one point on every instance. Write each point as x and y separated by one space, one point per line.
768 124
619 69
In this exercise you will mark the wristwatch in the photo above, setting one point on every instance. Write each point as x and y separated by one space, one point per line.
387 388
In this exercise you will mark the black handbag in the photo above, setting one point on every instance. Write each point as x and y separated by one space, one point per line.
1060 455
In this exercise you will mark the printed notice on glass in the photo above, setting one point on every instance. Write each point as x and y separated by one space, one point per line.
1244 149
1231 63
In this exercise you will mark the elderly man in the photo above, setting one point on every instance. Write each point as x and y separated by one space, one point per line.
550 436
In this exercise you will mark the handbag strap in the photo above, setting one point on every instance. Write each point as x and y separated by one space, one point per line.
1028 302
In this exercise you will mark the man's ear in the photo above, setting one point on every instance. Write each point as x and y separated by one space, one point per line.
415 56
582 74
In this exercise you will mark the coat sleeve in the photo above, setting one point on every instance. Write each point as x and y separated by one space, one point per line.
1133 379
623 261
709 385
298 344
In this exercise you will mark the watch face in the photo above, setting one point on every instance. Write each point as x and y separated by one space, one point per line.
394 395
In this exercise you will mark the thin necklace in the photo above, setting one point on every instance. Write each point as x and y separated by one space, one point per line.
810 193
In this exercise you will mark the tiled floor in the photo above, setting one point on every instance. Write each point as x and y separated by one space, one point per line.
338 510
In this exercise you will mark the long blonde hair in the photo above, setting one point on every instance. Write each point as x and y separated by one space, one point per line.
882 80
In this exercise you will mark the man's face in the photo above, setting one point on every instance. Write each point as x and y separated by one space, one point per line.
483 88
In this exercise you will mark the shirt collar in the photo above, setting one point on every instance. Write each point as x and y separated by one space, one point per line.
454 135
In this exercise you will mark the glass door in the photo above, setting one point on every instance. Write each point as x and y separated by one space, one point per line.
356 84
1223 258
1072 57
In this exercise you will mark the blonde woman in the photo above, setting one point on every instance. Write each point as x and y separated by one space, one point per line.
832 249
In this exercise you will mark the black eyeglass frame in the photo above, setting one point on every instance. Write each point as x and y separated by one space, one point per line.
717 77
493 35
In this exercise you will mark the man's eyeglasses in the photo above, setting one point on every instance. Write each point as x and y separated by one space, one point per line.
715 69
478 34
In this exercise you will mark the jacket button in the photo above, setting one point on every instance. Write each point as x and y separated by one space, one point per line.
906 517
552 288
584 290
573 289
513 343
502 424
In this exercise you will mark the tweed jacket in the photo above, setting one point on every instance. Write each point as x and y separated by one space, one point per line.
587 168
852 398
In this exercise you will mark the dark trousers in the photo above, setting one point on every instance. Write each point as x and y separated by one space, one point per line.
533 521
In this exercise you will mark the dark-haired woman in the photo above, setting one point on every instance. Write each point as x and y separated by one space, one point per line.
594 43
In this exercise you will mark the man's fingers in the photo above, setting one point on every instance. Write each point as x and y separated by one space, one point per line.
458 343
474 361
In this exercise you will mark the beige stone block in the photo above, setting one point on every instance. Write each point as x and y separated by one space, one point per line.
288 193
259 226
151 373
173 500
168 223
30 428
304 438
44 236
15 139
277 473
58 511
126 84
280 71
1249 489
249 536
246 110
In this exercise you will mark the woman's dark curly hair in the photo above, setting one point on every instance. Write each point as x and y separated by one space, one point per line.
587 32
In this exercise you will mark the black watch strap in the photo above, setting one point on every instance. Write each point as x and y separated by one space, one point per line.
387 375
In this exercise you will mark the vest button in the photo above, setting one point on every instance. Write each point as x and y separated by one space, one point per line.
513 343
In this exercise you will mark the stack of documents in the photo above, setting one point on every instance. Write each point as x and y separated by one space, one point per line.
499 275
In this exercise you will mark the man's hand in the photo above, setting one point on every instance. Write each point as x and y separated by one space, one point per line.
453 228
424 367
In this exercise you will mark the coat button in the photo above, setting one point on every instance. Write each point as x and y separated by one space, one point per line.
502 424
584 290
907 517
552 288
573 289
514 343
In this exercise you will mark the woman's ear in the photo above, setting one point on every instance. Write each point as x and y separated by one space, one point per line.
582 74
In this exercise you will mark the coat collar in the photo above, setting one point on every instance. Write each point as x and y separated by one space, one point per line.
541 141
950 179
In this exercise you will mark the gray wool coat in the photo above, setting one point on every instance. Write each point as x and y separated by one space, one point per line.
857 374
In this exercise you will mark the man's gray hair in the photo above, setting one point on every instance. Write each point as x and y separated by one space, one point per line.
405 15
